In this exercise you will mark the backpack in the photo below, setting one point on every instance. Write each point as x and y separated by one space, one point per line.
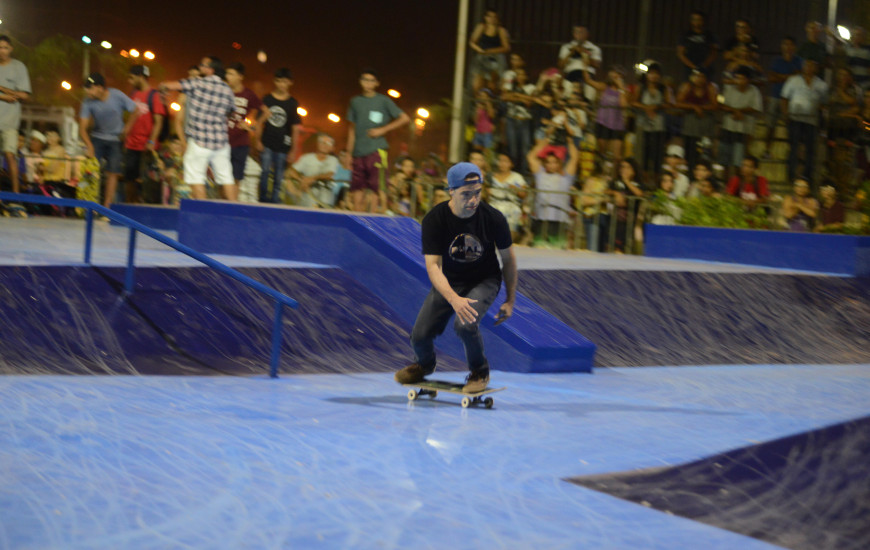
164 130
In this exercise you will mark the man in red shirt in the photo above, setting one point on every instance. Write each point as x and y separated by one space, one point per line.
242 119
142 138
748 185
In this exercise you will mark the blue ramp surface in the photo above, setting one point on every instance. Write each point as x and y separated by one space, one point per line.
383 253
77 320
641 318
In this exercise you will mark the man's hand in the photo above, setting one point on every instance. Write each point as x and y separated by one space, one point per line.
504 313
376 132
91 153
464 310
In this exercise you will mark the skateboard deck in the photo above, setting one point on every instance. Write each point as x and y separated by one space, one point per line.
432 387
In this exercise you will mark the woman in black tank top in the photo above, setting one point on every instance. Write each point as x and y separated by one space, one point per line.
491 42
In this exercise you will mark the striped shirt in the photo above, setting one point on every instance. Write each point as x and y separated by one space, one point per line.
210 101
858 61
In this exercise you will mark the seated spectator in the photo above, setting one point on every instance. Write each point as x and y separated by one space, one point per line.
518 98
610 114
698 98
698 49
507 193
781 68
832 213
554 179
802 98
402 185
800 209
749 186
311 176
33 157
674 165
490 42
650 100
666 213
579 55
742 103
703 184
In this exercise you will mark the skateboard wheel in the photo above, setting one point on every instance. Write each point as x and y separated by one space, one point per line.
465 402
488 402
412 395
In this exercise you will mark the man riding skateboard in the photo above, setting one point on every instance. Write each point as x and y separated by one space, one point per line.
460 239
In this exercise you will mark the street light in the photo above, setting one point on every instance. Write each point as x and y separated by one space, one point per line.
301 111
106 44
175 106
845 33
333 117
86 39
149 55
422 113
134 52
394 94
66 85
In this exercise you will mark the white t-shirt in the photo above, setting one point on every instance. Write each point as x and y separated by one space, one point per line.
309 165
576 63
741 100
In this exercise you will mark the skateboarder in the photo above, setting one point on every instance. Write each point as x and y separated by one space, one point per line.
460 239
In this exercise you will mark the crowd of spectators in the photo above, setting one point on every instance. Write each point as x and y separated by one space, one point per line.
579 141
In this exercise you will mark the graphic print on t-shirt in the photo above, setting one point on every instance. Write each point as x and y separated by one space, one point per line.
279 116
465 248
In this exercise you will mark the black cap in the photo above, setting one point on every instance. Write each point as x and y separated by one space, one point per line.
95 79
140 70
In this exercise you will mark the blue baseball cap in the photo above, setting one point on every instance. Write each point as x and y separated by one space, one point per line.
463 173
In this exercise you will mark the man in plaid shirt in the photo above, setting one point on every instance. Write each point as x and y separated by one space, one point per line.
210 101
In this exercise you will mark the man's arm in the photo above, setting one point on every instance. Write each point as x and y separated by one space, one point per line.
462 306
509 272
402 120
170 86
84 125
574 160
351 142
295 132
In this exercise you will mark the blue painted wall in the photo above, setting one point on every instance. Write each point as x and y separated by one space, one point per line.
842 254
154 216
382 253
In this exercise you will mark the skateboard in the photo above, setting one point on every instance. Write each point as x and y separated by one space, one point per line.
432 387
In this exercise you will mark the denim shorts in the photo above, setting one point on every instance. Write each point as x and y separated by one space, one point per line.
110 151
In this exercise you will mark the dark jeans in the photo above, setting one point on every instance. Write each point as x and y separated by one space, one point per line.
436 311
272 161
519 142
806 134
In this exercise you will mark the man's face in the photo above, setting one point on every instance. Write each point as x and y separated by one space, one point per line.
368 82
478 160
742 81
136 81
283 84
94 92
705 187
787 47
747 168
408 167
701 173
696 21
5 50
580 34
233 77
813 29
466 199
205 67
324 145
810 67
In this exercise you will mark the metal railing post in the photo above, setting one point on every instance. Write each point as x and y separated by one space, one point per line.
276 340
89 234
130 280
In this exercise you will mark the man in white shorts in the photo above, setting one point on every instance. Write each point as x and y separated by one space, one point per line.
14 88
210 101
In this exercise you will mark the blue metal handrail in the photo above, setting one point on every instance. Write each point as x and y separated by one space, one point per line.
281 300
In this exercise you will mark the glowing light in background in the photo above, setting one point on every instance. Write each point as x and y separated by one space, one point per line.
301 111
422 113
106 44
394 94
149 55
175 107
66 85
134 52
333 117
261 56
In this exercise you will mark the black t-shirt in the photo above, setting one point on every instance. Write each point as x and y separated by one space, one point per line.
698 46
278 129
466 245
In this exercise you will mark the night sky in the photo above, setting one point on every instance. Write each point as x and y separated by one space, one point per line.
324 43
